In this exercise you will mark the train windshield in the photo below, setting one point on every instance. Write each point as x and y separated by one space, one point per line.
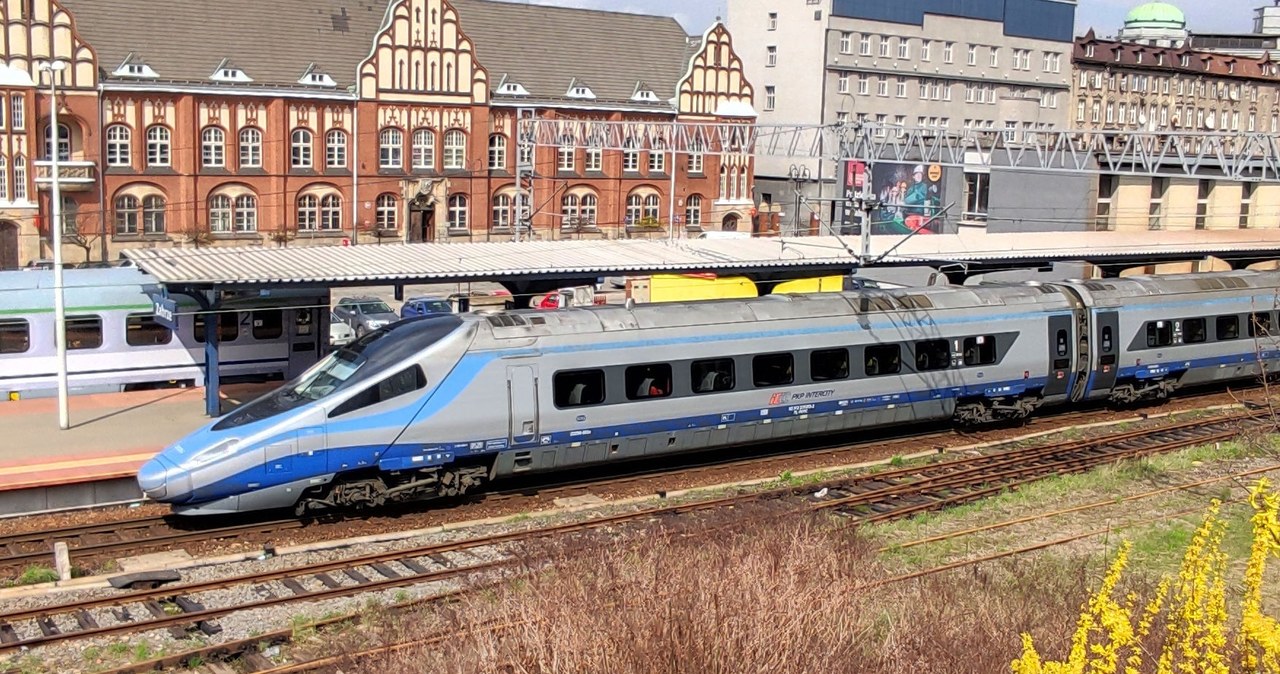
361 360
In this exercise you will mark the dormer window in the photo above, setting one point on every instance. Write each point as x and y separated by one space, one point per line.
1186 60
133 68
644 96
225 72
1139 57
512 89
1088 50
580 90
317 79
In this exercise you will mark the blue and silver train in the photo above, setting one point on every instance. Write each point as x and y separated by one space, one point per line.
441 406
114 342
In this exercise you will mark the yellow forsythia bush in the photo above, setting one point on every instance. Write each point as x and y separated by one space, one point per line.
1110 633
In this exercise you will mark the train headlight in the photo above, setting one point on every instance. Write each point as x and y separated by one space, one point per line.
213 452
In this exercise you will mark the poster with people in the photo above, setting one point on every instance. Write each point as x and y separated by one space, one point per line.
910 195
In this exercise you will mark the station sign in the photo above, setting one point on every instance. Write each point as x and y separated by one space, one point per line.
166 311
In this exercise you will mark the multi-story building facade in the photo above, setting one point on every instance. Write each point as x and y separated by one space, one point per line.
927 63
1135 87
295 122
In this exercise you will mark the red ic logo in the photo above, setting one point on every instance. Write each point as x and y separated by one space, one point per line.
776 399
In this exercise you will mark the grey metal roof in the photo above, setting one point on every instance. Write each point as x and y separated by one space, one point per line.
370 264
272 41
275 41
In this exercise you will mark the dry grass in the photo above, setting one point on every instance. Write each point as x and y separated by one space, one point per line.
753 595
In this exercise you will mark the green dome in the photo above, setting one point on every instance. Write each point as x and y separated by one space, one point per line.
1161 13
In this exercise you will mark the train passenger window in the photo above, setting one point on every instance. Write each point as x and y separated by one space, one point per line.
1194 331
712 376
829 364
1060 343
143 330
882 359
648 381
933 354
15 335
1260 324
979 350
405 381
268 324
1228 327
578 388
84 332
1106 339
773 369
228 326
1159 333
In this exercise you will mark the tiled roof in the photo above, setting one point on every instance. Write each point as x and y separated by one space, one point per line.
272 41
543 48
1113 53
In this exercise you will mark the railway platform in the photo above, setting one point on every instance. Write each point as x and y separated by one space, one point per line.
94 461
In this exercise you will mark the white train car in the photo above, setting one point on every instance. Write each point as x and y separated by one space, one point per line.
115 344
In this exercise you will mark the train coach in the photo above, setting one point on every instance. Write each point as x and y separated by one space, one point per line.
439 406
114 342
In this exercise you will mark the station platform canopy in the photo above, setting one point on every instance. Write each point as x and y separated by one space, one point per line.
552 261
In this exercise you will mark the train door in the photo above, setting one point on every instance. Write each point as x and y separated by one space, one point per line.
280 458
1104 374
522 397
1060 352
304 335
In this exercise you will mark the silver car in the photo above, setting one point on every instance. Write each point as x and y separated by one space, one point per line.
364 314
340 334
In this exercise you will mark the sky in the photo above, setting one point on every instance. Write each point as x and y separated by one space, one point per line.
1105 16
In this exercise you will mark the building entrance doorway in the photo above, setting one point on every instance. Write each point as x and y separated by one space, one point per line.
8 245
730 223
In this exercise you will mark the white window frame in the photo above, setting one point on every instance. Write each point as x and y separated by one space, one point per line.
771 56
391 149
846 43
300 147
387 213
864 44
331 213
119 146
497 152
335 149
458 213
455 149
250 147
424 149
213 147
158 149
770 98
948 52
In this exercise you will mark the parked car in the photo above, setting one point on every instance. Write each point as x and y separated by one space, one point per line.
425 306
364 314
340 334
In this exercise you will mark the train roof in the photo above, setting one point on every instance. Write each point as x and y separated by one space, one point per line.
1146 285
606 318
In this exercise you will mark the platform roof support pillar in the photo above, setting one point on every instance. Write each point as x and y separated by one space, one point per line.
212 330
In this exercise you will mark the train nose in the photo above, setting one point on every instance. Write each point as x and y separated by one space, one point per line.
163 481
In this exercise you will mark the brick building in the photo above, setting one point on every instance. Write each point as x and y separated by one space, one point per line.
297 122
1135 87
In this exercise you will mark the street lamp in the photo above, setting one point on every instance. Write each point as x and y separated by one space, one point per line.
55 227
798 175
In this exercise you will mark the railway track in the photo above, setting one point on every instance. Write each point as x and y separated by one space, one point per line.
192 609
92 545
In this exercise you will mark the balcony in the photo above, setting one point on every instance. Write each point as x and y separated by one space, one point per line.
73 176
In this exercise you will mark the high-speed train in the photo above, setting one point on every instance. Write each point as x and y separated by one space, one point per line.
114 342
440 406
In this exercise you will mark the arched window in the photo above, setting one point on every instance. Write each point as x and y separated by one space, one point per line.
424 149
693 211
308 213
743 194
153 208
633 209
119 145
497 152
587 211
724 182
220 214
569 211
4 179
300 148
391 149
455 149
250 148
126 214
658 157
566 154
458 212
651 208
331 213
246 217
158 146
19 178
733 184
213 147
695 156
501 212
64 142
388 212
335 149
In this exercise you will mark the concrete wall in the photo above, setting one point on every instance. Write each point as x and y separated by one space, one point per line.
1032 201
